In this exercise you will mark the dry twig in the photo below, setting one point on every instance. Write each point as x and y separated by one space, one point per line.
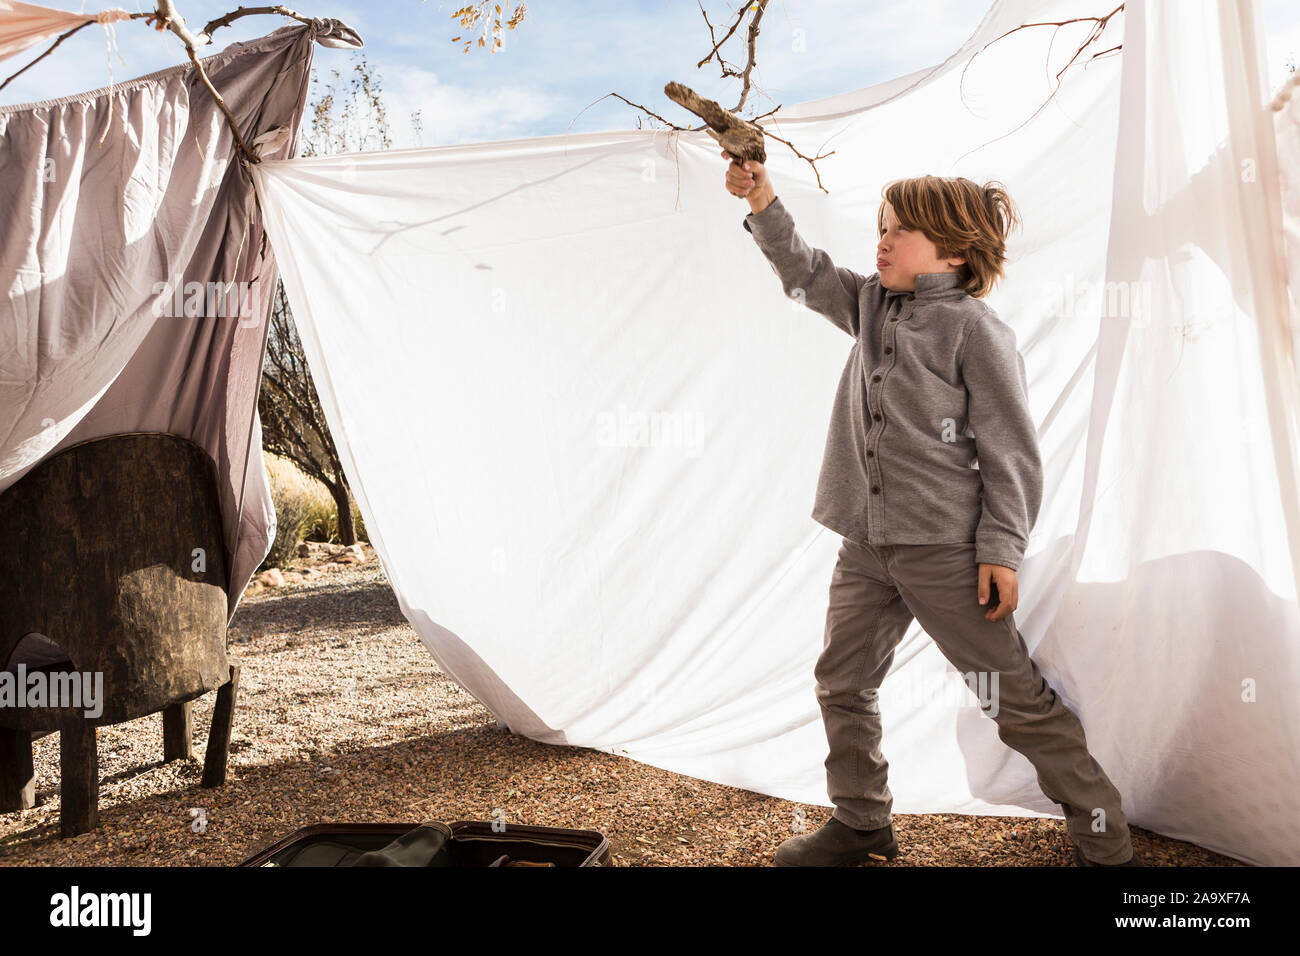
744 74
1098 28
229 18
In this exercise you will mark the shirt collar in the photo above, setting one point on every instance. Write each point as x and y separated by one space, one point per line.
930 285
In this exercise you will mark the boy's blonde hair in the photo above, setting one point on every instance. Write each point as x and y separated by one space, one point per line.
962 219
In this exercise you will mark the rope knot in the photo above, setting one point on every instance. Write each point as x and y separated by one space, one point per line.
112 15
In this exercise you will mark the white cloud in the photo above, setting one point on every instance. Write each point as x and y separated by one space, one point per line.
454 114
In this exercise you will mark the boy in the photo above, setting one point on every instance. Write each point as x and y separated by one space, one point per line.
929 529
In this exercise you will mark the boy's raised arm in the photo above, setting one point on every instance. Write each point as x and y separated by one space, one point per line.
807 275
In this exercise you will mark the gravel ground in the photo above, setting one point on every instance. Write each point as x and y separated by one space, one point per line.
344 716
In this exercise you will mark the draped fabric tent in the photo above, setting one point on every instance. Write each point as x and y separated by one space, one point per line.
123 210
584 425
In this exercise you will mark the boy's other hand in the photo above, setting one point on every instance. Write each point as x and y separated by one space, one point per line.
749 181
1008 590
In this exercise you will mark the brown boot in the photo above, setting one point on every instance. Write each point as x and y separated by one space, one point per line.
837 844
1082 860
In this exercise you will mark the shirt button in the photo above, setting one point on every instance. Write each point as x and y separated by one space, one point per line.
876 417
870 453
875 489
888 350
875 378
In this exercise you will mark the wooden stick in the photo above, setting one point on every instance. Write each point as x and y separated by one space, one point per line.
229 18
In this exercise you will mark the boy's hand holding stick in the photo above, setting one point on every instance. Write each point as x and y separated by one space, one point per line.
749 180
741 141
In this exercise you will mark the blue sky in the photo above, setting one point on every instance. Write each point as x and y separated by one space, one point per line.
567 54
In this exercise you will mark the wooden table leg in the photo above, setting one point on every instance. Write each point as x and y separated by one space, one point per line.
223 718
79 770
17 775
178 732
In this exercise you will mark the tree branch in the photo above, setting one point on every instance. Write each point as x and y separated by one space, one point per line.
1098 28
166 17
759 7
750 59
229 18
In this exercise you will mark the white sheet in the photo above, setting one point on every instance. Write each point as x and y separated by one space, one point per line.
584 425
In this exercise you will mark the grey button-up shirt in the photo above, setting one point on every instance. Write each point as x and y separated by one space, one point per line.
933 378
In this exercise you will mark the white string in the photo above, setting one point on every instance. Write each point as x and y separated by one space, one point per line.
107 18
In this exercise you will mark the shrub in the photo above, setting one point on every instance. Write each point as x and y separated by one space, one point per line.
292 492
304 511
323 520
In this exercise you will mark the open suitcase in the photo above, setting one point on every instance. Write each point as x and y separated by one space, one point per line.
463 843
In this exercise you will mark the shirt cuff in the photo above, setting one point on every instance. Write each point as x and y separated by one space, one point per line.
999 547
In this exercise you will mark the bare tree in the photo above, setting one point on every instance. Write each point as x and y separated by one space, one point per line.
293 422
346 116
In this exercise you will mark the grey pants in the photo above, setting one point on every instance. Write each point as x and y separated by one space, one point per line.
875 592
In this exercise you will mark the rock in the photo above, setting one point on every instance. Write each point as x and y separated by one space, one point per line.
304 550
352 554
271 578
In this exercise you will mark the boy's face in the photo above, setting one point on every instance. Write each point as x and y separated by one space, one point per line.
903 254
